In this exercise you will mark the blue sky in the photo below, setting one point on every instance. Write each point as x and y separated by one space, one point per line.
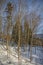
31 5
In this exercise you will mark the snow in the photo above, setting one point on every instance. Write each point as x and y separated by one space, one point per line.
12 59
37 54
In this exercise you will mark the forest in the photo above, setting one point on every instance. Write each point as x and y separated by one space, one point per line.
19 43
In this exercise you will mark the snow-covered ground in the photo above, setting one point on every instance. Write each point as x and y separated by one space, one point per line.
12 59
37 54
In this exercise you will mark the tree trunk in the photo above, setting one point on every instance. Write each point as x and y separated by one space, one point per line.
31 51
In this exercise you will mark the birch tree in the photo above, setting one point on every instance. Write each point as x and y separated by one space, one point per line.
33 20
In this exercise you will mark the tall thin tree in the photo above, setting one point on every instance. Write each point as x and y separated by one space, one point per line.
8 11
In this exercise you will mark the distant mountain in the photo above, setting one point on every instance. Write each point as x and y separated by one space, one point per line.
38 36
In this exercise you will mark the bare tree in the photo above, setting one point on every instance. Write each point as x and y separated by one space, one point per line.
0 25
26 32
8 10
35 20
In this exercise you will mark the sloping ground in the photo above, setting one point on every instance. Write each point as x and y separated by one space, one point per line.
12 59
